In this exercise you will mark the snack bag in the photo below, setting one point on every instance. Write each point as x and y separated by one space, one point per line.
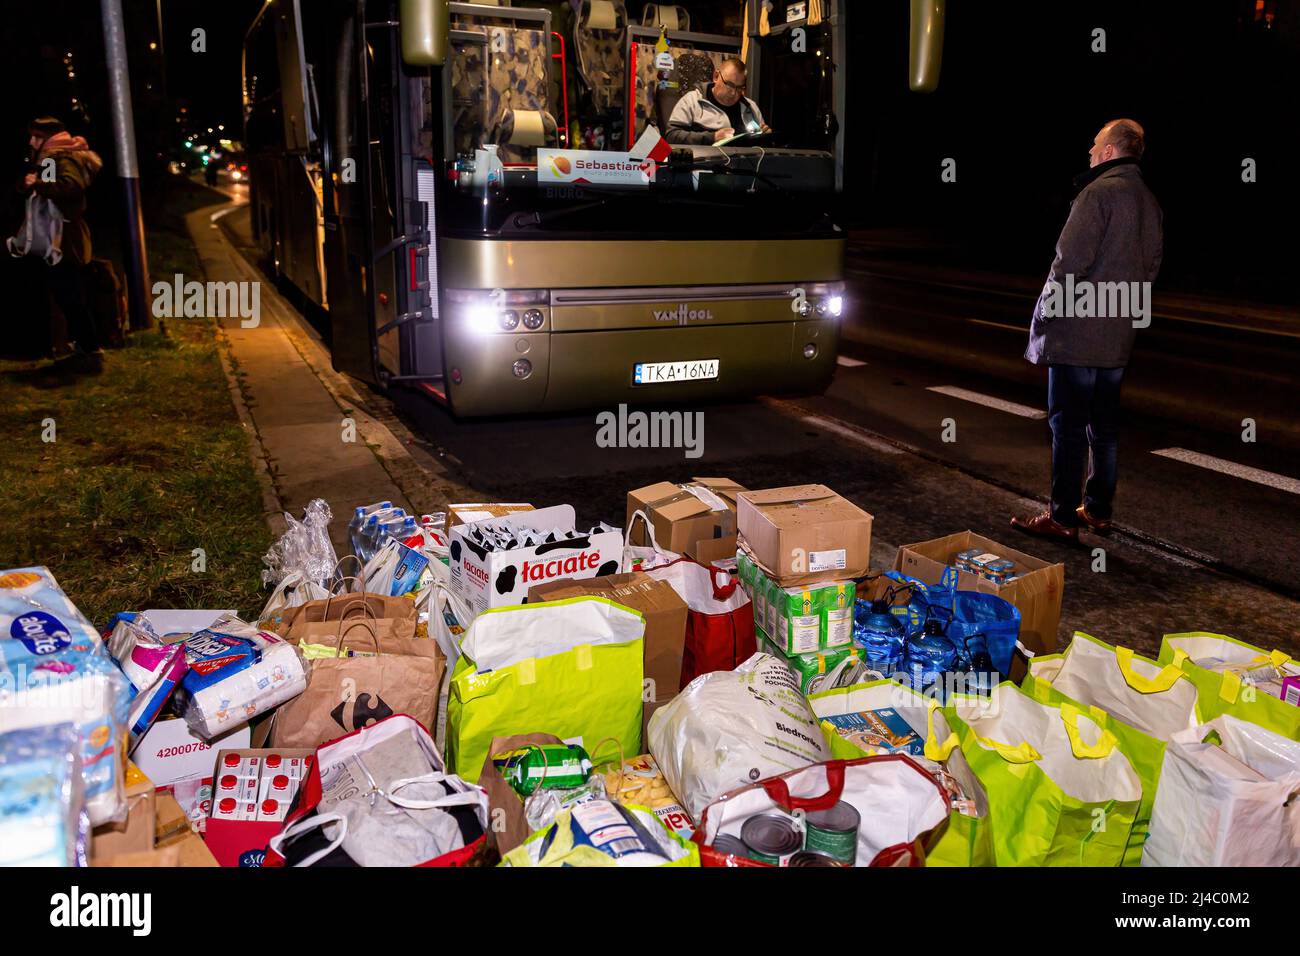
640 782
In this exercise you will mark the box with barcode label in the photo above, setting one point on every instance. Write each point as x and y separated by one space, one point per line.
799 620
804 534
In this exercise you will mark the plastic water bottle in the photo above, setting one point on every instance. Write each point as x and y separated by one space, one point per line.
878 634
370 531
929 655
358 522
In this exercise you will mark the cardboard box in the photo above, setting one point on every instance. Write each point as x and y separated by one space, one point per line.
804 534
664 612
169 750
487 579
136 833
171 822
697 518
241 842
1037 593
469 513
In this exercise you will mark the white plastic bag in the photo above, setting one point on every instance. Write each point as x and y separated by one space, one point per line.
640 557
732 728
1230 804
294 590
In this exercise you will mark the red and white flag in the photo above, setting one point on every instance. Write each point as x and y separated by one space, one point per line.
651 146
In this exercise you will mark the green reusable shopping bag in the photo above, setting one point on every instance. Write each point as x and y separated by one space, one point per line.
581 680
1060 791
1201 655
963 840
1096 680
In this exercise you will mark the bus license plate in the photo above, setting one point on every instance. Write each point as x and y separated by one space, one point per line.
663 373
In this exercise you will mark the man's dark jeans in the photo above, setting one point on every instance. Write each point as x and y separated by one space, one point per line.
68 288
1083 410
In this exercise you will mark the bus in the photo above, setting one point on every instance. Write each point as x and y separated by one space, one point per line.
488 201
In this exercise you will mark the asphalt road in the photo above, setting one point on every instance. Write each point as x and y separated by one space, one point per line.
1199 550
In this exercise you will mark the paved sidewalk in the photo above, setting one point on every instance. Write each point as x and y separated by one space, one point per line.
296 410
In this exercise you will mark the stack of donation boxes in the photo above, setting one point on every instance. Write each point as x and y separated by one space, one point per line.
696 518
799 550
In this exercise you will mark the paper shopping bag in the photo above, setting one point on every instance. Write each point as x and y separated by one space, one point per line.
385 675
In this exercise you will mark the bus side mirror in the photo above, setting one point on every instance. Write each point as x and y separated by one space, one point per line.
425 29
925 45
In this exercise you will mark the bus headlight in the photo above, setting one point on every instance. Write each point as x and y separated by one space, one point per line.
805 308
522 368
810 351
509 320
482 319
533 319
836 305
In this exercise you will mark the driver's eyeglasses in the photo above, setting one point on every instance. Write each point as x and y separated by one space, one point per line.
738 87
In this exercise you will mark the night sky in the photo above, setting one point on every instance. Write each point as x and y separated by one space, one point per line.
1020 99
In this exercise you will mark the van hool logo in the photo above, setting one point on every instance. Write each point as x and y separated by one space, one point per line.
682 314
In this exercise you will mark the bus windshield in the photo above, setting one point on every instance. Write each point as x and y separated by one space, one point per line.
604 124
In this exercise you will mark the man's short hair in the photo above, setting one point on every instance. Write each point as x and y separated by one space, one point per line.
735 62
46 125
1127 136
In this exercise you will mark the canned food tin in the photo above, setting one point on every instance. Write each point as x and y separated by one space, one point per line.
730 845
809 858
771 837
834 832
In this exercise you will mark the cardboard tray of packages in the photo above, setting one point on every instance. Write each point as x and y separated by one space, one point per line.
239 842
1037 593
459 514
804 534
697 518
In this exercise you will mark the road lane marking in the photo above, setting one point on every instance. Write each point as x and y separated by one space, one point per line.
1024 411
848 362
1257 475
226 212
999 325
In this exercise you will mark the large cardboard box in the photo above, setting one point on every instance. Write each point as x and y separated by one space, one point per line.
169 750
135 833
1037 593
481 511
804 534
664 612
697 519
487 579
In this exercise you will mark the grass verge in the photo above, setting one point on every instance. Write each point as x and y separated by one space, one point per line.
133 483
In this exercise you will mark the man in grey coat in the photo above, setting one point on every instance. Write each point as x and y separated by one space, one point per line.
1098 293
718 111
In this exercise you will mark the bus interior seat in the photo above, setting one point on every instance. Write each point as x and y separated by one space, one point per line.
519 132
668 16
517 73
598 36
692 69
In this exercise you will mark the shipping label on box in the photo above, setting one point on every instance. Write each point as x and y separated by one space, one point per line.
170 751
486 579
804 534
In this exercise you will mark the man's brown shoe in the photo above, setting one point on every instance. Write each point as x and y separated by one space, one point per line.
1095 525
1043 526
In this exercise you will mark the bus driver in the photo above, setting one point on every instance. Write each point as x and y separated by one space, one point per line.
719 111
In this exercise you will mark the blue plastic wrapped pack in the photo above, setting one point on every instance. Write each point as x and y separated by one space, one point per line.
82 688
43 820
154 669
35 612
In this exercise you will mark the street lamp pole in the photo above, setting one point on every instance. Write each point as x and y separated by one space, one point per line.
128 169
162 52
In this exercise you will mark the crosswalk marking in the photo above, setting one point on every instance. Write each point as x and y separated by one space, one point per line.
1223 466
1024 411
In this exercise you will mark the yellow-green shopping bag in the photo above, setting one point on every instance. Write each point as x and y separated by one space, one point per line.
1140 701
964 840
555 845
572 668
1060 791
1228 675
